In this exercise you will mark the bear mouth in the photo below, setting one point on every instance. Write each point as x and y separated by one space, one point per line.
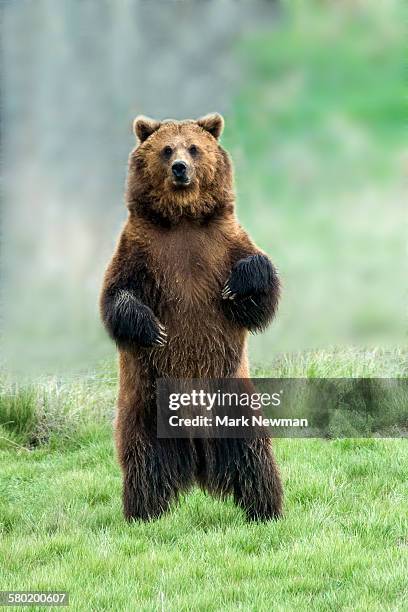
182 182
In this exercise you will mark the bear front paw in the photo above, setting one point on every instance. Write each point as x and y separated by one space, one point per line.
250 295
249 276
131 323
149 331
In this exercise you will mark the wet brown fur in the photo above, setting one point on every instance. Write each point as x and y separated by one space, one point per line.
175 255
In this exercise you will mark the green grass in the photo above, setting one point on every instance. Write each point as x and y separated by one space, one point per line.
342 544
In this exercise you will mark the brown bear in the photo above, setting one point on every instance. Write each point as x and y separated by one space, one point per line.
184 287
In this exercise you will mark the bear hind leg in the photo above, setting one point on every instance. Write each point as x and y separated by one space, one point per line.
257 486
246 469
154 476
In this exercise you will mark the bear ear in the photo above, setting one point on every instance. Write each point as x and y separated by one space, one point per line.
213 123
143 127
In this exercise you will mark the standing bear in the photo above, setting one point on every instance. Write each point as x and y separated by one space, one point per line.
184 287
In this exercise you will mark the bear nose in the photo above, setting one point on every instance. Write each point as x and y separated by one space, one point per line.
179 169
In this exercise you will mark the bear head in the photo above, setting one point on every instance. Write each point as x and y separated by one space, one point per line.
179 169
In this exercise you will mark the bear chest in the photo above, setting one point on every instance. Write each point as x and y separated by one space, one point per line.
189 267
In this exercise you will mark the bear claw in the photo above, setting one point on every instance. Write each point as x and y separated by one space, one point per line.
161 340
227 293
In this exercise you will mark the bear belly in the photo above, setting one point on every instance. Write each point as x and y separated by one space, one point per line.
190 266
201 344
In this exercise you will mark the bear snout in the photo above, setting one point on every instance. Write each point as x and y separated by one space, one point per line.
179 170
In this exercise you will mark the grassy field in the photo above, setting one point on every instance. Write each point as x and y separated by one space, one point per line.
342 545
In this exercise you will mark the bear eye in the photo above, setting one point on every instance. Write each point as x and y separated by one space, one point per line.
167 151
193 150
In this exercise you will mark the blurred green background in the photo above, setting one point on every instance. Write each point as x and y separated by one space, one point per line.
313 97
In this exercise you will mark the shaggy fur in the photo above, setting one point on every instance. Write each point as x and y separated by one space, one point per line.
183 288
